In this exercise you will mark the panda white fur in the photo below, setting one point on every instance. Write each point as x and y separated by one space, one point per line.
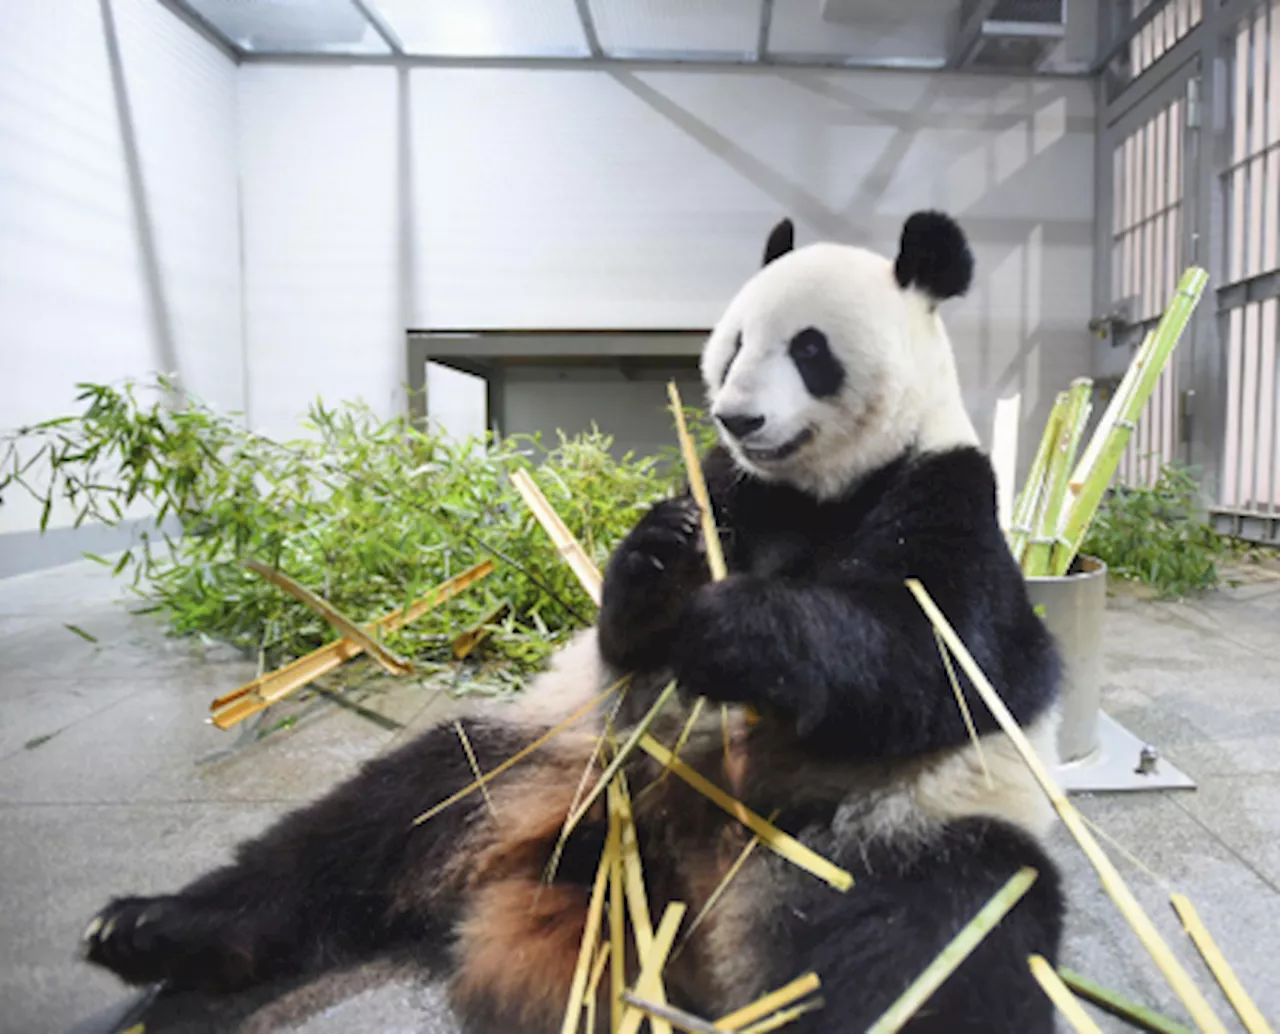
848 464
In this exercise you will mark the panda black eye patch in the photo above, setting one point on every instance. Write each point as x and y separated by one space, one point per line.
822 373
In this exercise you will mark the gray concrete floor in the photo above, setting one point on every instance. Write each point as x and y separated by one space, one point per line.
111 782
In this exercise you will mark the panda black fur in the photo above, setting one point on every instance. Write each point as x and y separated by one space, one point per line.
848 464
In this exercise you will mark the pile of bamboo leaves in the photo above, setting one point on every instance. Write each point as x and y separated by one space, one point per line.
1064 488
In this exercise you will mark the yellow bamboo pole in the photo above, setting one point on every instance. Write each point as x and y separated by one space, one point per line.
1112 882
561 537
1253 1020
1062 997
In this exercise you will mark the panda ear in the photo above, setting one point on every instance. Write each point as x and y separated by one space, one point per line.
934 256
781 240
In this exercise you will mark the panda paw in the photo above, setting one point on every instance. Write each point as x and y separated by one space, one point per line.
664 553
163 939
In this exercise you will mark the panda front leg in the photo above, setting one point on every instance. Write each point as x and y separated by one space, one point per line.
867 946
335 881
649 578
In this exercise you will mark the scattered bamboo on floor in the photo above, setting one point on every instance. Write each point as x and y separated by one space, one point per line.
251 698
1117 1005
964 709
590 938
784 1017
1253 1020
592 993
475 765
566 545
1062 997
1112 882
464 645
959 949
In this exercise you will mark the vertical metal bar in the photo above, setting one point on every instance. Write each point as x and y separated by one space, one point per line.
762 32
1249 407
1264 481
1230 495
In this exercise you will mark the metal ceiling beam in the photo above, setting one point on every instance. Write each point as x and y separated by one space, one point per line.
200 24
379 25
969 34
589 28
762 37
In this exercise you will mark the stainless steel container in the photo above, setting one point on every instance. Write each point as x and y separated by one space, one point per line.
1073 608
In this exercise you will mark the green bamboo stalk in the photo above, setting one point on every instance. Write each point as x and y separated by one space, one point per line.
961 946
1136 1015
1110 415
1167 334
1039 553
1029 498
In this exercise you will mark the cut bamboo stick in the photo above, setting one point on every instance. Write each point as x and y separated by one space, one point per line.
698 486
1044 535
268 689
465 644
649 984
593 985
1111 879
779 842
566 545
342 624
784 996
1095 482
1135 1015
632 871
1253 1020
783 1017
1004 455
1062 997
590 938
520 755
959 949
617 921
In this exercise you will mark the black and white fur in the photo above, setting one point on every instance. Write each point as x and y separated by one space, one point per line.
848 465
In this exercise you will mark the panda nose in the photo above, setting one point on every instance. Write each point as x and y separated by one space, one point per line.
740 425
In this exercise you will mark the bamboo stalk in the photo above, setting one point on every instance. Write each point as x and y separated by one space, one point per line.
1253 1020
1136 1015
475 764
1029 499
959 949
1039 552
1058 993
566 545
786 846
617 921
649 983
698 486
268 689
341 623
519 756
1111 880
1109 415
590 938
593 984
786 995
783 1017
1095 482
632 871
466 643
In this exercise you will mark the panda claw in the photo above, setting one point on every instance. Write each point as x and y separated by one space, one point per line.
657 563
94 926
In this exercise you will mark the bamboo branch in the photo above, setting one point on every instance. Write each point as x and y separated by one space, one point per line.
1029 499
268 689
959 949
773 1001
1112 882
1058 993
1039 551
566 545
649 984
341 623
1136 1015
590 938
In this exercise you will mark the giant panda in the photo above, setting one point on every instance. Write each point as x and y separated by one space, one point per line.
846 464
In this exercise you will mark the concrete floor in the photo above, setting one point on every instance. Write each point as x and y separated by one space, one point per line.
110 782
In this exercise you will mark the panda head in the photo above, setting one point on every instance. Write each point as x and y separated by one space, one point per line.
832 361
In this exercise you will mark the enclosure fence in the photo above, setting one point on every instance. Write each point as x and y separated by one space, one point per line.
1189 172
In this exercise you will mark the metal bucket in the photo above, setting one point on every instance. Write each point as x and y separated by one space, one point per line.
1073 608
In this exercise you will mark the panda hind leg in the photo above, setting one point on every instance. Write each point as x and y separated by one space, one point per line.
868 945
338 880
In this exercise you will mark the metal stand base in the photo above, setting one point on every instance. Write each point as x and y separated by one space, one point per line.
1119 765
